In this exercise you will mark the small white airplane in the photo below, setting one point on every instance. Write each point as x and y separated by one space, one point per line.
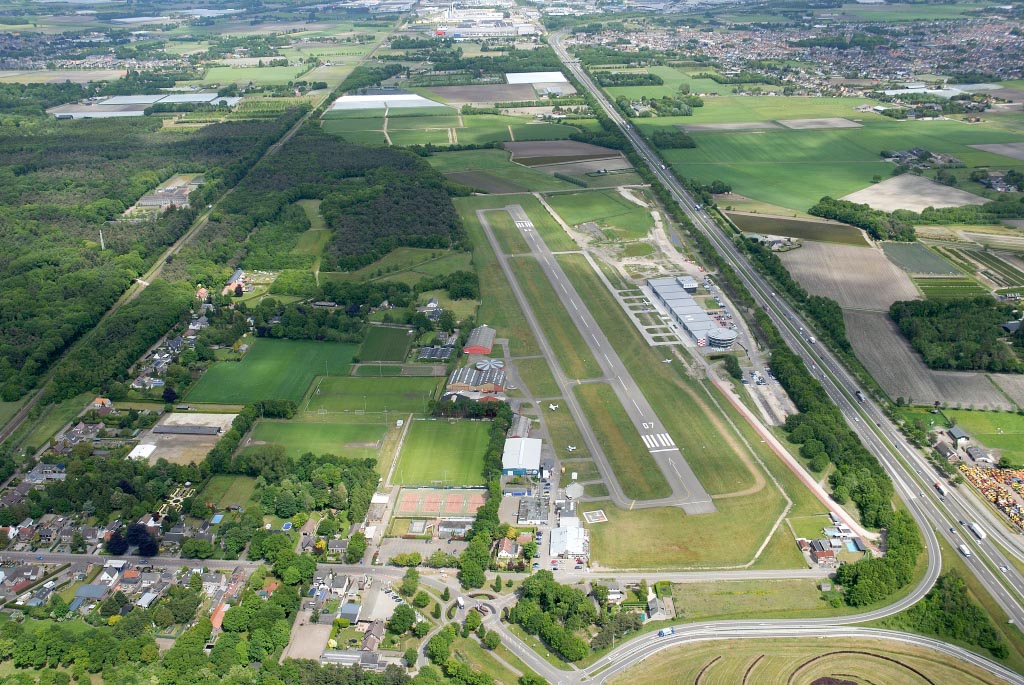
571 448
666 361
553 407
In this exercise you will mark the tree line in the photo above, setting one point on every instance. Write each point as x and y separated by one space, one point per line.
878 224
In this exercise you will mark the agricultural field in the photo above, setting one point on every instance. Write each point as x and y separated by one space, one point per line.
271 370
619 217
1003 431
803 229
915 258
339 394
949 288
996 267
855 277
795 168
914 193
355 440
633 465
385 344
263 76
899 370
801 661
447 452
492 171
753 599
575 358
228 491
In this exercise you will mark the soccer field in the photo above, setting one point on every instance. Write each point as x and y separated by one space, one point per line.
385 344
443 453
336 394
340 439
272 370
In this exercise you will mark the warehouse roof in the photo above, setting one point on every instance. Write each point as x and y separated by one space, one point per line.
521 454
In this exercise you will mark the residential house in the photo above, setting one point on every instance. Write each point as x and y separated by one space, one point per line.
373 636
45 473
656 610
213 582
822 553
508 549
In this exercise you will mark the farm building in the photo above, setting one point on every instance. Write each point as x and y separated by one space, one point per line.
142 452
521 457
471 379
958 435
980 455
822 553
480 341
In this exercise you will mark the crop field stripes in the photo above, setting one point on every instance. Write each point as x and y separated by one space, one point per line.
656 440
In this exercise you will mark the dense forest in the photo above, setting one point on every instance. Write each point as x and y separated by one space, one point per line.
878 224
627 78
394 191
958 334
61 182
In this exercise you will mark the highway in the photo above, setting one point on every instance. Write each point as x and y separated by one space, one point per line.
906 467
687 492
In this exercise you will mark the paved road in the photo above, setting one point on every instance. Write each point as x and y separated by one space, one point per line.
880 436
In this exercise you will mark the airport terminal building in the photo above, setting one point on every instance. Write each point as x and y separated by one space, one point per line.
676 295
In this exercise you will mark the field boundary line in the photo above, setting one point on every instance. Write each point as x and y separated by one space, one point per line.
398 450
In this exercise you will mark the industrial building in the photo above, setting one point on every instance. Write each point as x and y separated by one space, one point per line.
471 379
570 539
676 296
521 457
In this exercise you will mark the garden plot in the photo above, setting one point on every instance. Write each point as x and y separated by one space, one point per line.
855 277
901 373
914 193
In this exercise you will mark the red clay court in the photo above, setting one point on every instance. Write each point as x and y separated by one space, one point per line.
439 502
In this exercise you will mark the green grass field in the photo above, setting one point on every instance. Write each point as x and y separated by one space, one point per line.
799 228
509 237
536 374
8 410
795 168
498 306
51 419
340 439
690 415
493 166
271 370
263 76
337 394
227 491
385 344
439 451
461 309
607 208
634 467
542 132
942 289
1003 431
576 359
406 264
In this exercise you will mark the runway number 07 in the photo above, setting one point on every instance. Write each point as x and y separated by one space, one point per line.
648 425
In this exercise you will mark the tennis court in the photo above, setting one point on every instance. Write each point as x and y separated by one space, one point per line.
439 502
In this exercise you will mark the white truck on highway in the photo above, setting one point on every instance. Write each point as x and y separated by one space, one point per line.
665 632
977 530
965 551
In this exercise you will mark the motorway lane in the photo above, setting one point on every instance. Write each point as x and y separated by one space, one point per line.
837 381
687 491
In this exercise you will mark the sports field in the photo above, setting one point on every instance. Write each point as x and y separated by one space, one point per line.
443 453
385 344
801 662
340 439
271 370
605 207
332 395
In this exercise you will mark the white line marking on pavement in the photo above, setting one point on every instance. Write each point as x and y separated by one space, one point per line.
667 449
648 440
